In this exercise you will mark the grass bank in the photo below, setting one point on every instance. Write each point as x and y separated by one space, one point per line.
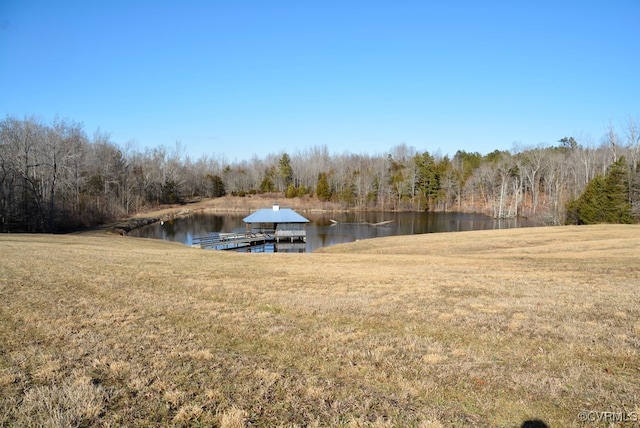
486 328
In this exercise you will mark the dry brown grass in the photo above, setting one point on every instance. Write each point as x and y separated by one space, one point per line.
461 329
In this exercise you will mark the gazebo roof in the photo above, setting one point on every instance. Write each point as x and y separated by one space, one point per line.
275 215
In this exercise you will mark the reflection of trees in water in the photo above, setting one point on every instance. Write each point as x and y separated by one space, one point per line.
323 232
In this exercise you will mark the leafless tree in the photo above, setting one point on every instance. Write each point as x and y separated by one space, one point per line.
52 176
633 142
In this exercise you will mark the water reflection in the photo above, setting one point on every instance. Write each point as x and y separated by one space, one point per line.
328 229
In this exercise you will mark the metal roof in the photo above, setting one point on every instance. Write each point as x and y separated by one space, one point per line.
275 215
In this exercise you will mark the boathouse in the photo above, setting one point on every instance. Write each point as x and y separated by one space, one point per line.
284 223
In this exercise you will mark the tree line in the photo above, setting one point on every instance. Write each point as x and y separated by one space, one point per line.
54 178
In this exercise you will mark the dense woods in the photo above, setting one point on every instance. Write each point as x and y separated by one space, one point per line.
54 177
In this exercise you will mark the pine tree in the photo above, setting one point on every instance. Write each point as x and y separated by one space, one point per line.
291 192
216 186
605 199
285 170
617 193
267 185
322 188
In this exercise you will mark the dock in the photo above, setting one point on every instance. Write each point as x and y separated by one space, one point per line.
232 241
264 227
235 241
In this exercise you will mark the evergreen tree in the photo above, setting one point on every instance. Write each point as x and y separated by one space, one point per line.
285 170
427 179
604 200
323 191
347 194
217 186
617 191
291 192
302 190
634 191
267 185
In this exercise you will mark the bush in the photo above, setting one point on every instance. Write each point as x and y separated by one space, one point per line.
291 192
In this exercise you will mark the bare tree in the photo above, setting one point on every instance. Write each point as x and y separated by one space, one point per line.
53 177
633 142
612 142
531 165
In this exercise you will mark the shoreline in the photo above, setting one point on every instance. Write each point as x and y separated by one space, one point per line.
229 204
224 204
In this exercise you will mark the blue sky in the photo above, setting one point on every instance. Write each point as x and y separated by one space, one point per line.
243 78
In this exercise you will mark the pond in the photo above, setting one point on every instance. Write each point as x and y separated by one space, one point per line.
330 228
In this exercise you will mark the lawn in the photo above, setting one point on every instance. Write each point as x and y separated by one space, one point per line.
485 328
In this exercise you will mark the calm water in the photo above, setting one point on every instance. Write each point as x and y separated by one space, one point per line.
322 232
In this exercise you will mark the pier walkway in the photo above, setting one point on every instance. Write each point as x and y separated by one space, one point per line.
231 241
234 241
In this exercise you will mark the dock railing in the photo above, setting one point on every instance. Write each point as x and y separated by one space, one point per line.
228 241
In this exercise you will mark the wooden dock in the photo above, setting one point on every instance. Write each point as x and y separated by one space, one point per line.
262 236
232 241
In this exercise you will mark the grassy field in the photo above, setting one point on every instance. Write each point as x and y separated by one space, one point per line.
459 329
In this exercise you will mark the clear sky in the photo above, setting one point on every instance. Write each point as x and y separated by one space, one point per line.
238 78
